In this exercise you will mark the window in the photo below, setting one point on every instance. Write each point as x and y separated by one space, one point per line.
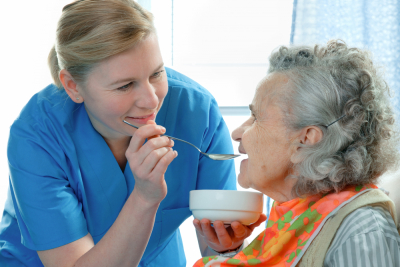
224 45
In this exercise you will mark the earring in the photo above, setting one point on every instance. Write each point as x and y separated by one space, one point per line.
77 98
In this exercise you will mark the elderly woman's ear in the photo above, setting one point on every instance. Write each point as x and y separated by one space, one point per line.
307 136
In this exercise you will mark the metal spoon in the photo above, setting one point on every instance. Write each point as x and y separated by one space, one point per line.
208 155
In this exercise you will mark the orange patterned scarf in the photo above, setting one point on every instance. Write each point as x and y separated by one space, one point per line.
291 227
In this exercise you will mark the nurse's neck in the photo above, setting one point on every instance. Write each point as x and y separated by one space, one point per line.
118 147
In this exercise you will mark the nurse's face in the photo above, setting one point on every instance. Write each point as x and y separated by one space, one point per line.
131 86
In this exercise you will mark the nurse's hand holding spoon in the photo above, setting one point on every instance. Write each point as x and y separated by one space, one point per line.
149 161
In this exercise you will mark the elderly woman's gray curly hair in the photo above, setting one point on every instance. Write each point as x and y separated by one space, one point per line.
325 83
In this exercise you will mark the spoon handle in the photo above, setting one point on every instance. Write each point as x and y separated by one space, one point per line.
171 137
134 126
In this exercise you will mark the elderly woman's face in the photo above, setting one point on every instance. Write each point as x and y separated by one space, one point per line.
266 141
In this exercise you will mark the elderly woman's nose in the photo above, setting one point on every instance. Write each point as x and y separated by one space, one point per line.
148 98
237 133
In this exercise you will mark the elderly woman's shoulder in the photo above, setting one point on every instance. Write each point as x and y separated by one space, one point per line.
366 233
391 181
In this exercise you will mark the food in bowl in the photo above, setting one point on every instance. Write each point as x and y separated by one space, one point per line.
226 205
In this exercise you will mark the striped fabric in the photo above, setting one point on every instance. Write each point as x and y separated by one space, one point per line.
367 237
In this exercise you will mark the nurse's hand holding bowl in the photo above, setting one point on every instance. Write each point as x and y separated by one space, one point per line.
85 188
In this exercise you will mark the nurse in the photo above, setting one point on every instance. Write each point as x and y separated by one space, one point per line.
87 189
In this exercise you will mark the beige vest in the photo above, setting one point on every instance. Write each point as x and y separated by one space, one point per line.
315 254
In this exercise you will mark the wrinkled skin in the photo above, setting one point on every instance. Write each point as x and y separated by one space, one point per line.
266 140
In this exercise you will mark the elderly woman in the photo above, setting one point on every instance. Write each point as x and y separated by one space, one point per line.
320 135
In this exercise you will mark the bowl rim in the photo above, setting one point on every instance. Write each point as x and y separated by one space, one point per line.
227 190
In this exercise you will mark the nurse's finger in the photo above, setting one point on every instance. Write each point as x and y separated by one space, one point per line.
163 163
223 236
149 150
156 143
143 133
209 232
154 136
137 157
151 161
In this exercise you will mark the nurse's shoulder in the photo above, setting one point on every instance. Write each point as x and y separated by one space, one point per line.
50 105
178 80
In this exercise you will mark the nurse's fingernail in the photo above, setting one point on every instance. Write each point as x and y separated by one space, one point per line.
163 129
176 153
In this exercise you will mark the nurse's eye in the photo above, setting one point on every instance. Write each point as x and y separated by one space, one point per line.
125 87
157 74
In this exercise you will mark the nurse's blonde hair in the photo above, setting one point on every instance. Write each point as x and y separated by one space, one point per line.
90 31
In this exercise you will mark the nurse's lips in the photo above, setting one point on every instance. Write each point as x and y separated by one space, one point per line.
141 119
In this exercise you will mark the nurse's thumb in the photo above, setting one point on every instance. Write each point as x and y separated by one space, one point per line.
151 122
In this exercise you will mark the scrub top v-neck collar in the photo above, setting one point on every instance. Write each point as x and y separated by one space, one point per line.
104 167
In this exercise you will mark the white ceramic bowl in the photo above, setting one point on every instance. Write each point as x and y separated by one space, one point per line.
226 205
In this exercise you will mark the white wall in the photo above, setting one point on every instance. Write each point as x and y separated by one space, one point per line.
27 34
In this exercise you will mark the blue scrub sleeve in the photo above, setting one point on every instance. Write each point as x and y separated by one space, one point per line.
215 174
47 209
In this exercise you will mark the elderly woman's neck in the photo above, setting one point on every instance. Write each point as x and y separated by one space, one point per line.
282 192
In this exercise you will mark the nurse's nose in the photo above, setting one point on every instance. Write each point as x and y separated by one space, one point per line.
148 98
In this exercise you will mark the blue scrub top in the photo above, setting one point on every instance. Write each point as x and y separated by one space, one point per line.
65 181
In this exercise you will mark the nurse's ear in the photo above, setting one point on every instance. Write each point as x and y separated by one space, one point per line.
70 86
